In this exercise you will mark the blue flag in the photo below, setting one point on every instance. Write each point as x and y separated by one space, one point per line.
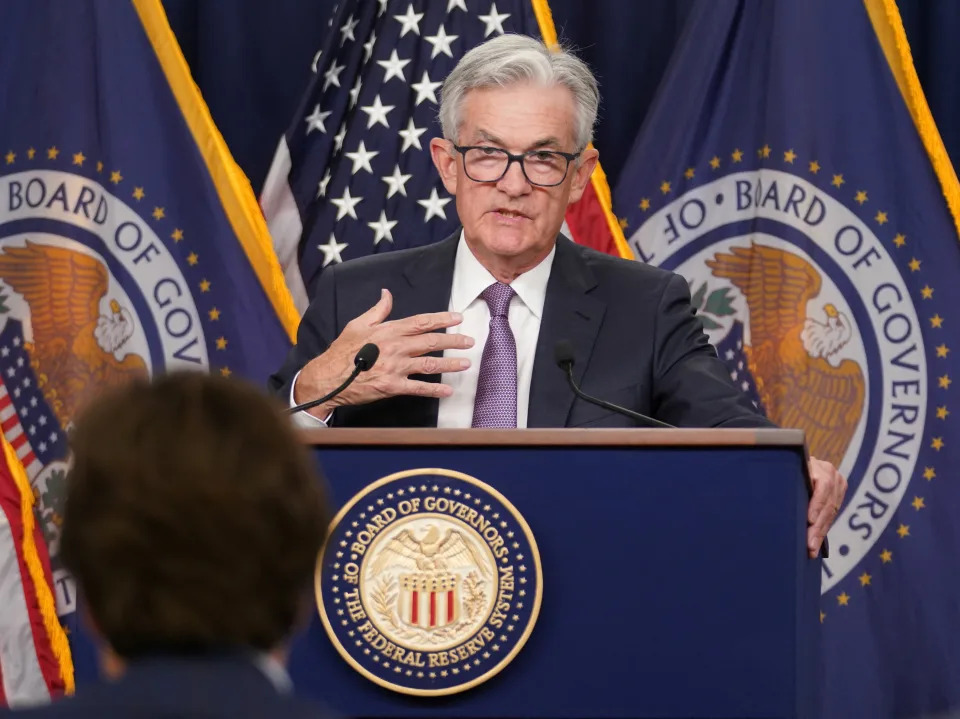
790 170
130 243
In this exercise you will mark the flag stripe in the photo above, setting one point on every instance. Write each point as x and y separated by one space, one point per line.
886 21
236 195
414 607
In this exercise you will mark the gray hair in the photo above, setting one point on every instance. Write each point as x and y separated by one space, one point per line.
511 59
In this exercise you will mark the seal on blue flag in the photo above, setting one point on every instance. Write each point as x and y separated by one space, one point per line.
430 582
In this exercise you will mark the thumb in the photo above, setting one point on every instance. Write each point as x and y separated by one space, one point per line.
380 311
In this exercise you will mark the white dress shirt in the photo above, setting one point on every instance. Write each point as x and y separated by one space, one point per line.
470 279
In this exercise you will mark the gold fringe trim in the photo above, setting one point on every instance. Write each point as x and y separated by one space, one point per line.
233 187
48 607
548 31
888 26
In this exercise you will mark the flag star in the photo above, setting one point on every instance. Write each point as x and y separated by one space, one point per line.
383 7
11 372
33 429
411 136
347 29
361 159
434 205
16 342
426 90
24 412
16 392
33 403
331 250
4 351
43 420
322 185
382 228
355 93
42 446
346 205
493 21
332 75
54 436
410 21
451 4
393 67
377 112
396 182
441 42
368 47
338 138
316 119
19 361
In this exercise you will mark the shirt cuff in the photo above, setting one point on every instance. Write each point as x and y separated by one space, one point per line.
305 420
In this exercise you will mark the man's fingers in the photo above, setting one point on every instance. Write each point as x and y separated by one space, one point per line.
424 389
438 365
822 496
433 342
380 311
428 322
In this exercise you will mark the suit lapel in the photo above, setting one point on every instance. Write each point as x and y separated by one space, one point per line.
570 313
430 278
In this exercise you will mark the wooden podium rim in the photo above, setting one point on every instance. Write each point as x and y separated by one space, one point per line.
343 436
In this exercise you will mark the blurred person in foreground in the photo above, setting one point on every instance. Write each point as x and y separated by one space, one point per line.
192 525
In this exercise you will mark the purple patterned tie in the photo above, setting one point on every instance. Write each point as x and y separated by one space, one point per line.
496 402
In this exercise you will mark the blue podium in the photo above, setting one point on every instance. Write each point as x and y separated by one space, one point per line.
564 573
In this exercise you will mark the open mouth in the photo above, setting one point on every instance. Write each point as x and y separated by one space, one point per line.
510 214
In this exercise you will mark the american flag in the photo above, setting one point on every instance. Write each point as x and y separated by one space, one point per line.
353 175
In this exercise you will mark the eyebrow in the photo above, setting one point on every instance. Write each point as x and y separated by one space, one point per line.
485 136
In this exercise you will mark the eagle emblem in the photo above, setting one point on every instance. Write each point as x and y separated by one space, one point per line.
73 352
792 357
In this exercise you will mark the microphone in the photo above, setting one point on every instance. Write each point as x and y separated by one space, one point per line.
563 355
365 358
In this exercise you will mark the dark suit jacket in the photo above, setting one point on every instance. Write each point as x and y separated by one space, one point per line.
637 342
221 686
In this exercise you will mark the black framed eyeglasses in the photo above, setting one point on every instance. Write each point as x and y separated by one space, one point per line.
545 168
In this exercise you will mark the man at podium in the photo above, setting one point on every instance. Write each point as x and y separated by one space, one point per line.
483 328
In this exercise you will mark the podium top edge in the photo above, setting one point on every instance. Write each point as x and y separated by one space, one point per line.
342 436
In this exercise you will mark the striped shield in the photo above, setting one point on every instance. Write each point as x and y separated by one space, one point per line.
429 601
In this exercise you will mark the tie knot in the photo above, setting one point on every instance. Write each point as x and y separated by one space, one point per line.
498 296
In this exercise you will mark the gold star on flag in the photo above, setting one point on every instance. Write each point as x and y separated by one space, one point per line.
886 556
192 259
900 240
138 193
30 153
690 172
837 180
204 285
736 155
864 579
623 223
903 530
52 153
944 381
221 343
843 599
10 157
929 473
914 265
823 616
814 167
764 151
214 314
918 503
927 292
115 177
936 321
158 213
177 235
78 158
942 351
860 197
715 162
881 218
665 187
942 412
937 443
225 372
99 166
644 203
789 156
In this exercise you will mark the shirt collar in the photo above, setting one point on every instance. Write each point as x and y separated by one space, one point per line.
470 278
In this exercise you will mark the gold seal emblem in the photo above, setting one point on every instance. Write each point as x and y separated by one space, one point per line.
430 582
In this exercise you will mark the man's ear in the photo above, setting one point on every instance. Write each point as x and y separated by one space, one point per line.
581 175
445 159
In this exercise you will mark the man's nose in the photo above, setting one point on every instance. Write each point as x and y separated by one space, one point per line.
514 182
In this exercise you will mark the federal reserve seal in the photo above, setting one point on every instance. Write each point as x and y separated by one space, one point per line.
429 583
